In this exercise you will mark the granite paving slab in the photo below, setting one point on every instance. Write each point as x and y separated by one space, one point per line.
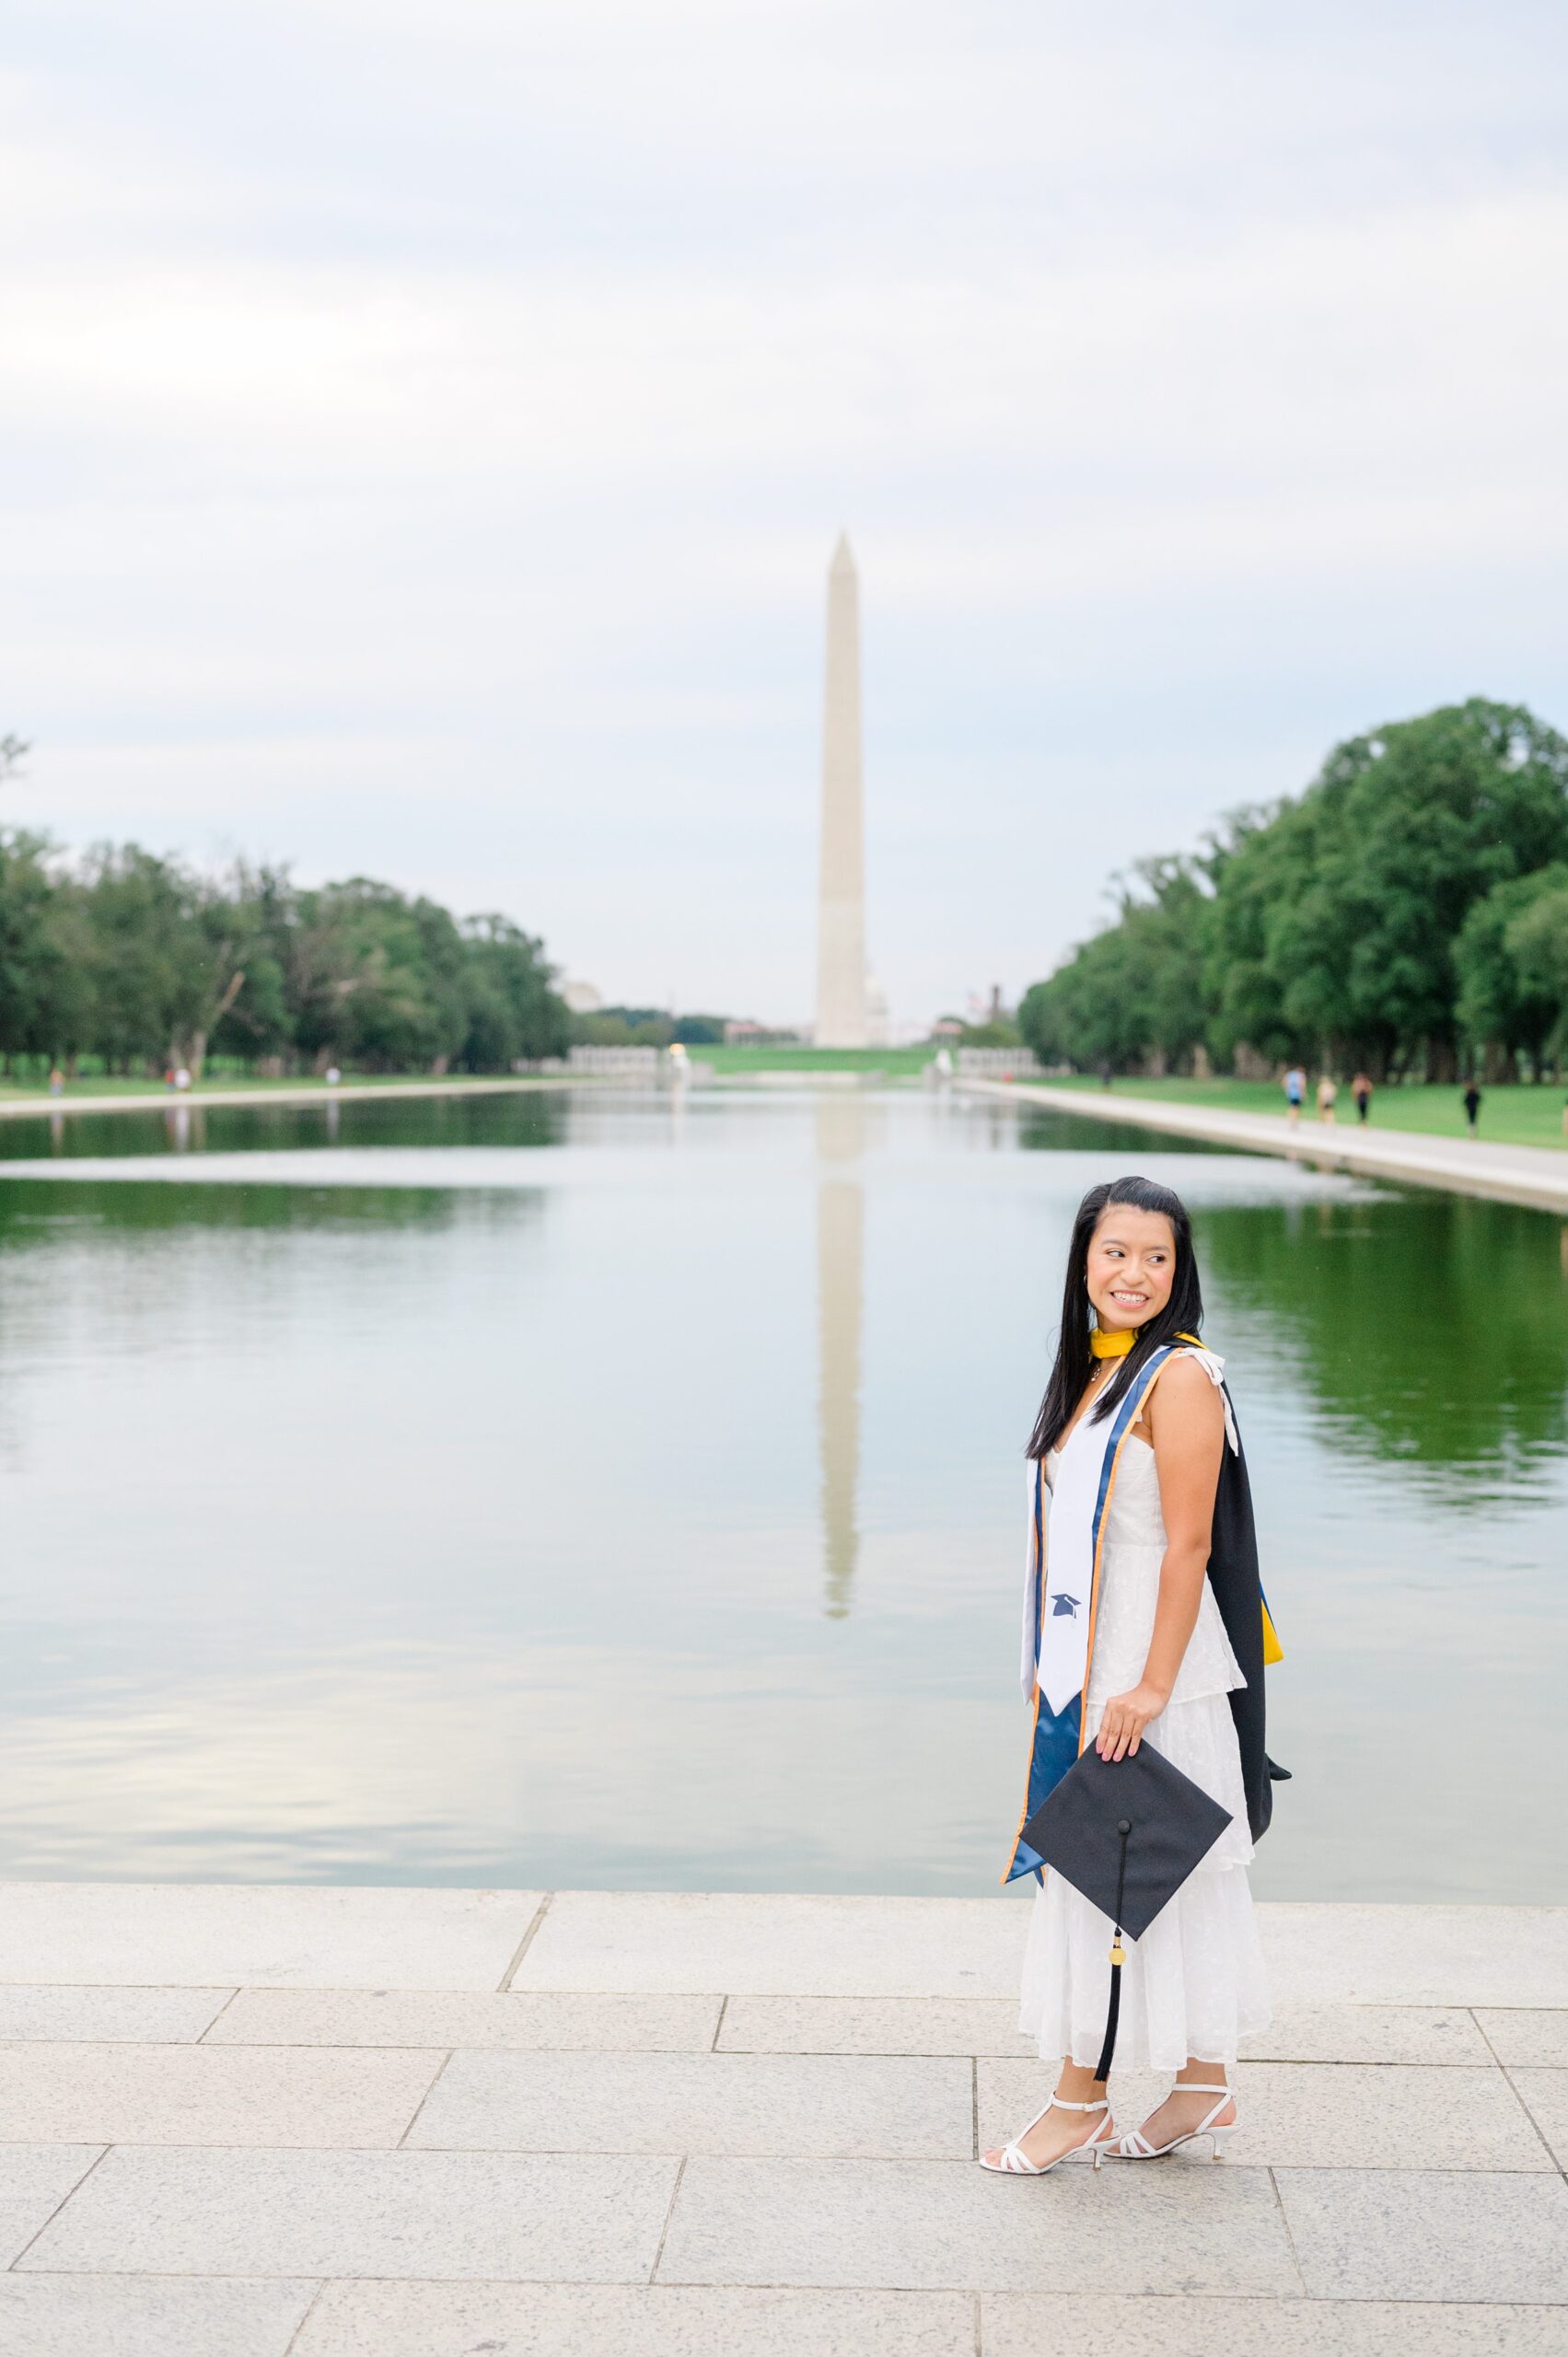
765 1944
1320 2115
234 1935
874 2026
129 2316
34 2180
1344 2033
140 2016
1176 2325
1544 2095
204 2094
1428 2233
1416 1955
1370 2034
945 2224
657 2320
769 2097
1303 2115
531 2023
901 2108
1529 2034
567 2219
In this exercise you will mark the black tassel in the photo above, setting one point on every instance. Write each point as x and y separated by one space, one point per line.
1113 2013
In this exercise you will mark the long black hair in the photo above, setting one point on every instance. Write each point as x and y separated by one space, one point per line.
1183 1313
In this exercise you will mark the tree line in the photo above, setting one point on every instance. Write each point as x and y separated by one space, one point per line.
1408 914
126 961
646 1027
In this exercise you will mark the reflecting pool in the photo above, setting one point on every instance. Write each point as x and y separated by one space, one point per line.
620 1488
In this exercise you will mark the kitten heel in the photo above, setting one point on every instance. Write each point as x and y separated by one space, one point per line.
1137 2147
1012 2161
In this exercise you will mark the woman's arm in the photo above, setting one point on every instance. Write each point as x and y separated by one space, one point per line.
1187 1426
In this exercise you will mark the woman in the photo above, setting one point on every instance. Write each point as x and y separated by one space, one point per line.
1144 1622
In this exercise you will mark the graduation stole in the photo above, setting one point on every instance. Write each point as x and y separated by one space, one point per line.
1062 1589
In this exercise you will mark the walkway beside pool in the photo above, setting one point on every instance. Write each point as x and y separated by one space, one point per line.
264 1093
322 2122
1534 1175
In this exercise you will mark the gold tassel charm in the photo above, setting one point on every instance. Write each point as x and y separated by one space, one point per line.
1119 1953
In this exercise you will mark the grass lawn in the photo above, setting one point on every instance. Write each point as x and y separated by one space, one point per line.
219 1083
735 1063
1522 1115
895 1062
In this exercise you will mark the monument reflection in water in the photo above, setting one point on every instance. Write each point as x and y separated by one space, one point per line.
841 1232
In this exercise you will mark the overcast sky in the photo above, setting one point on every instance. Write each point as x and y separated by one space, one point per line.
427 425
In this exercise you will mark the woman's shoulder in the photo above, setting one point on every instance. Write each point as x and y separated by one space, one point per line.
1186 1386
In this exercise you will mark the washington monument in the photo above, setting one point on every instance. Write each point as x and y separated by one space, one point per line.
840 891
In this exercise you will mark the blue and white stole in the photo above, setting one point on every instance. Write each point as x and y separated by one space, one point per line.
1061 1583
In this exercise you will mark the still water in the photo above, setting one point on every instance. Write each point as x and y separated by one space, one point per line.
603 1489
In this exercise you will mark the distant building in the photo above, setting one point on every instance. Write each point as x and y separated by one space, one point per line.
744 1033
989 1010
582 997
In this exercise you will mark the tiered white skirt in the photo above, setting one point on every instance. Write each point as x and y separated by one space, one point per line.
1195 1984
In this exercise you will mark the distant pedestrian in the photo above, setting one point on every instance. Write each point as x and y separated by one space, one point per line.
182 1077
334 1075
1104 1073
1296 1094
1361 1089
1328 1096
1472 1106
56 1082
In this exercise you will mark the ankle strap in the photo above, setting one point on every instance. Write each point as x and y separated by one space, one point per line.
1059 2103
1200 2087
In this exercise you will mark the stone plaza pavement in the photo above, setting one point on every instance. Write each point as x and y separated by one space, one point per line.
255 2122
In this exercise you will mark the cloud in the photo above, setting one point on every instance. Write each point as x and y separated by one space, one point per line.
395 397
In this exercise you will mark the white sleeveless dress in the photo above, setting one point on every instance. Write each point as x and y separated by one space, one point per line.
1195 1983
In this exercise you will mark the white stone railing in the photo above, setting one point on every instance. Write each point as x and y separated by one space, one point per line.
992 1064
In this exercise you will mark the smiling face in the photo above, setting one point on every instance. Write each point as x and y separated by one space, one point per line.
1131 1267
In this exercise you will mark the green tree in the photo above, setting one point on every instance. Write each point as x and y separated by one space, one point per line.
1360 890
1329 927
1537 940
252 1017
29 946
150 958
1509 1006
378 978
135 959
1132 994
513 1014
1255 864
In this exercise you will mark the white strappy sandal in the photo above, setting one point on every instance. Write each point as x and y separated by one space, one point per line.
1136 2146
1015 2162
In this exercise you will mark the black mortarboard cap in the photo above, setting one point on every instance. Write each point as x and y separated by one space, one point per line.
1126 1833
